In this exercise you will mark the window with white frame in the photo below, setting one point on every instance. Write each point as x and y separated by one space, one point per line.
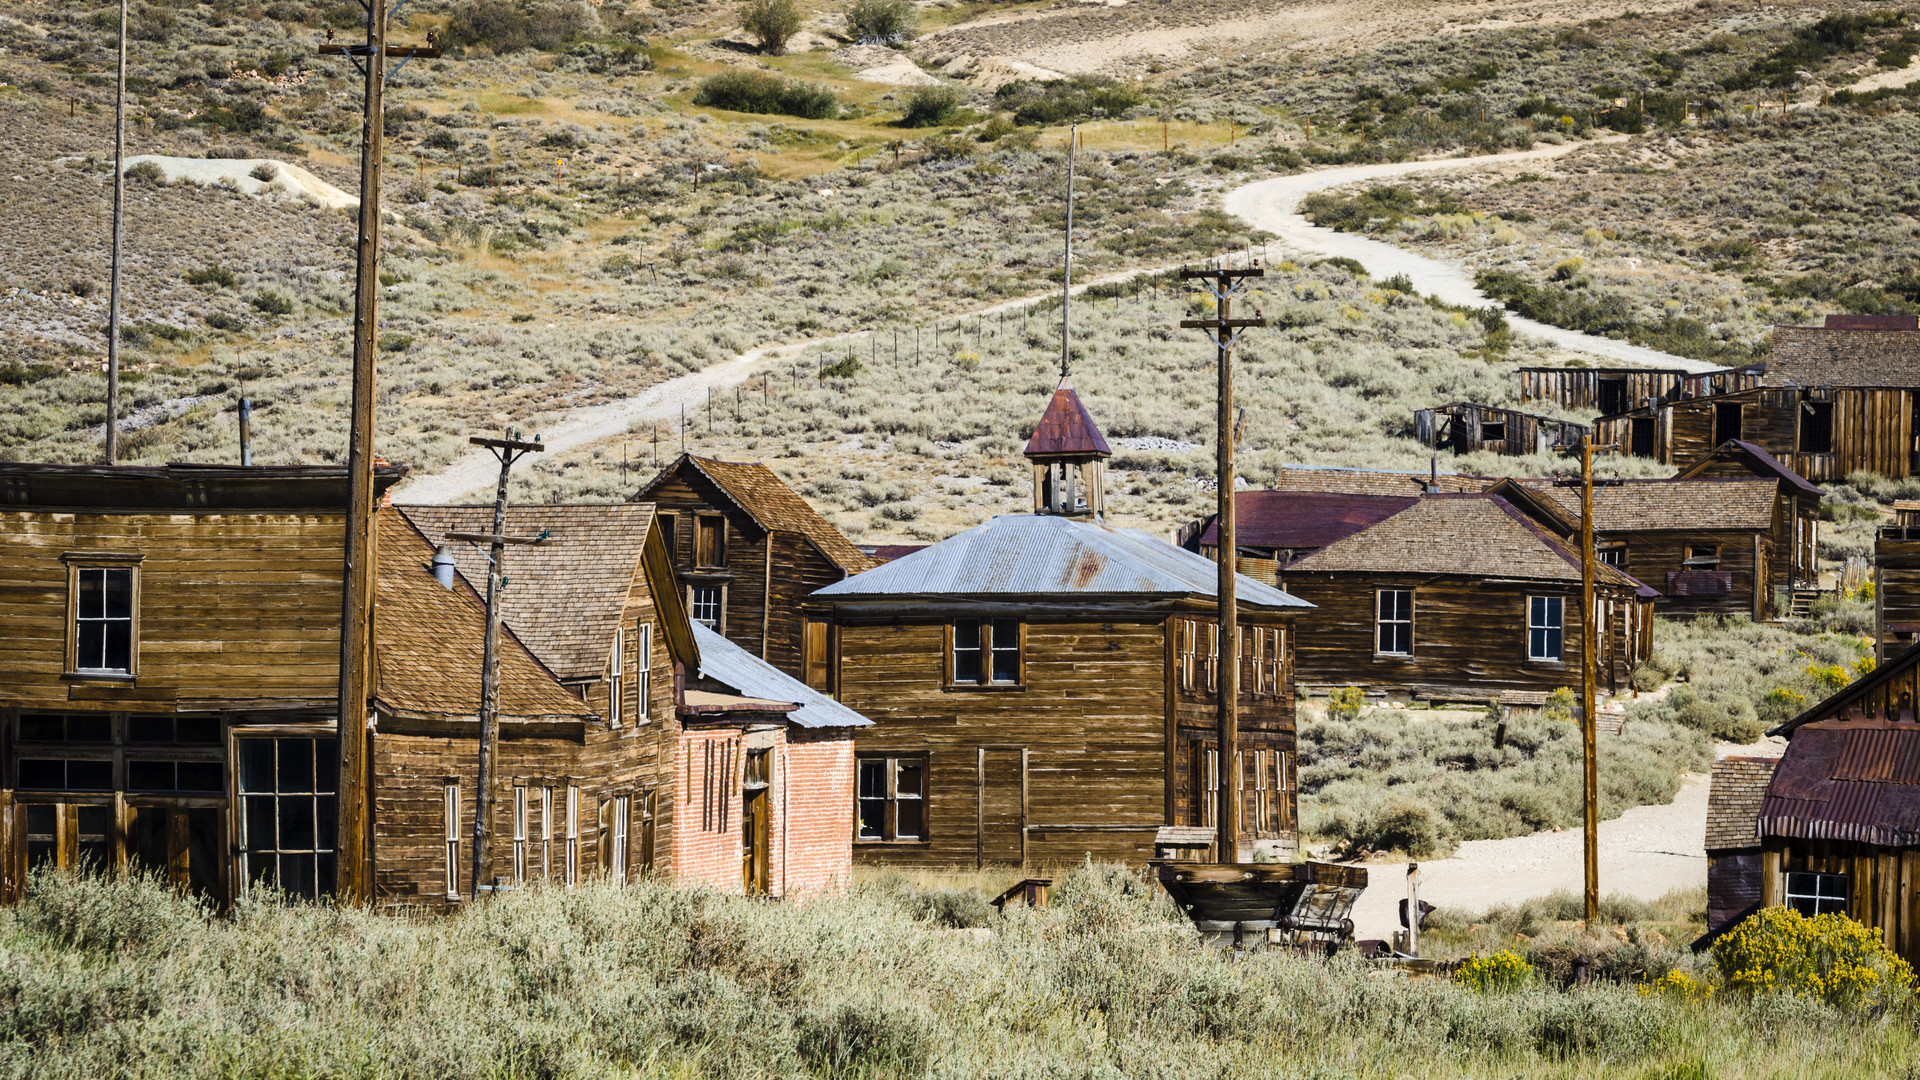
103 619
519 834
643 672
617 664
1545 627
450 812
1393 622
703 605
546 834
573 836
1817 894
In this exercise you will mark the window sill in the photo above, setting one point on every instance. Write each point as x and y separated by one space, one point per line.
985 688
99 676
922 842
1393 656
1547 663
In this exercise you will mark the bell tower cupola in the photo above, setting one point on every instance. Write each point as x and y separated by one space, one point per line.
1069 458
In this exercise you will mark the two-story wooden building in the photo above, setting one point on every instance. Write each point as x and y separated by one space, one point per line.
1458 598
1041 685
747 550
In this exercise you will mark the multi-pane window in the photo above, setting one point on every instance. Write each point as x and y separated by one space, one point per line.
704 605
614 818
103 620
892 796
1393 622
617 665
546 834
450 815
1269 652
1186 645
709 541
519 834
573 835
1817 894
643 673
1544 627
986 652
287 789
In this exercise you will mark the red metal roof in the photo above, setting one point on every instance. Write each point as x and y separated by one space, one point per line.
1848 779
1066 428
1873 322
1293 520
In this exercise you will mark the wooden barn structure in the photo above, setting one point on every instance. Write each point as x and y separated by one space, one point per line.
1460 597
1042 692
1708 545
748 550
1834 400
1465 427
1839 827
167 695
1735 858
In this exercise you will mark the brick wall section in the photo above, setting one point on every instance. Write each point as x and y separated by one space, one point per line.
816 776
704 851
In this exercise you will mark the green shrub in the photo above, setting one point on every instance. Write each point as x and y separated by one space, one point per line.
146 172
881 22
506 26
844 368
772 24
220 320
930 106
1345 703
270 302
760 92
1829 957
396 342
212 274
1060 100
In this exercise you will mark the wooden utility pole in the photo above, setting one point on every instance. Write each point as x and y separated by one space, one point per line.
1588 679
353 881
1066 262
1224 329
119 212
508 450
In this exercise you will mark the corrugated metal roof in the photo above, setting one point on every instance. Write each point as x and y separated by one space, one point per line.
1040 554
1303 519
724 662
1853 780
1066 428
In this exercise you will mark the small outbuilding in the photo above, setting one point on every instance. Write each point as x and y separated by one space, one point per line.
1465 427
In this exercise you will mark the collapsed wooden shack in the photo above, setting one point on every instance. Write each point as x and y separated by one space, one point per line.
1465 427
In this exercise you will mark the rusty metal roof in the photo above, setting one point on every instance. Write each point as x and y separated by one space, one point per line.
1066 428
1293 520
730 665
1855 779
1041 555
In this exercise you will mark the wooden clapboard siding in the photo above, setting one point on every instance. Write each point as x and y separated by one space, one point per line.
1896 558
686 495
1884 884
231 605
1872 428
1652 555
1462 428
798 569
1470 635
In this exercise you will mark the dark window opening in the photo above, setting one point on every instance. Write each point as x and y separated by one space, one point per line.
1644 434
1615 557
1493 432
1817 894
1726 424
1816 427
65 774
67 728
1702 557
1611 396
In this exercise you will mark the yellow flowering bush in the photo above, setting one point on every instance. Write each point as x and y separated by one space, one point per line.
1345 703
1504 970
1677 984
1829 957
1829 676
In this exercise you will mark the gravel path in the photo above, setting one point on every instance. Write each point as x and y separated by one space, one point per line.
1645 853
1273 205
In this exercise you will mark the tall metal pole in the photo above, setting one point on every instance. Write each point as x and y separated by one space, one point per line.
1066 262
1588 679
1223 327
507 450
355 846
119 216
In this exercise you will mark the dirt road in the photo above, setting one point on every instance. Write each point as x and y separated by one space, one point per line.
1273 205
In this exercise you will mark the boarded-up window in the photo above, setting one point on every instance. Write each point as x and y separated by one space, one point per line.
891 798
818 647
1393 622
1816 427
1544 627
709 541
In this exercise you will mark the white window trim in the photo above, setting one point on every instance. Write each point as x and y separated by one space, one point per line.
450 810
1560 625
643 673
519 834
1379 621
573 835
616 680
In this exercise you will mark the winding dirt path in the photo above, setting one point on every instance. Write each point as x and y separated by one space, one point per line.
1272 205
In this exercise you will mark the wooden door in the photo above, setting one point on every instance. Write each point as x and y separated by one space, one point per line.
1002 803
756 823
183 845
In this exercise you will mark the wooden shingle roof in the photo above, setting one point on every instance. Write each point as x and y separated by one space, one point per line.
428 642
1345 481
564 597
767 499
1669 505
1465 535
1733 801
1843 356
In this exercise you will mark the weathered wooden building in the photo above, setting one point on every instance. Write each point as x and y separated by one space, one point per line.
1839 827
748 549
1796 513
1833 400
1708 545
1465 427
1042 689
1896 587
168 693
1735 859
1274 528
1460 597
1608 391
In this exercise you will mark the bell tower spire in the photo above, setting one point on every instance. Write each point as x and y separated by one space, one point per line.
1069 456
